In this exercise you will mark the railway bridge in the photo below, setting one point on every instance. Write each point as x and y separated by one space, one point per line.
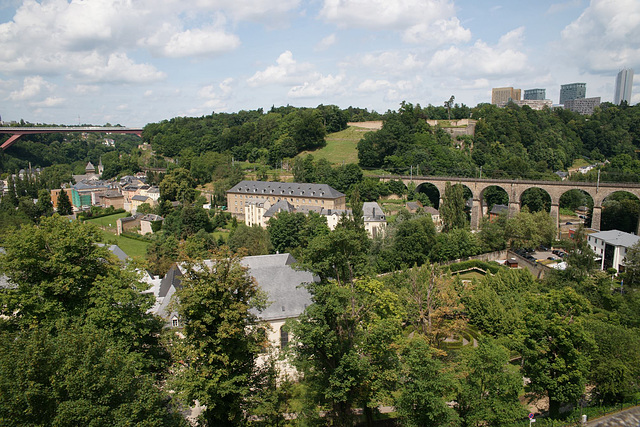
515 189
17 132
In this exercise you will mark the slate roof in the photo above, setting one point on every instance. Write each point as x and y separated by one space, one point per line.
617 238
151 217
266 188
275 276
140 198
372 212
498 209
431 210
279 206
170 280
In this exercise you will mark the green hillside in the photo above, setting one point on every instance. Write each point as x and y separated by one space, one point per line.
341 146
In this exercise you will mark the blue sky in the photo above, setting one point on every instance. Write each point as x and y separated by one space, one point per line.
138 61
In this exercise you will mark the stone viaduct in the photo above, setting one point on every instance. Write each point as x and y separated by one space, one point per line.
515 188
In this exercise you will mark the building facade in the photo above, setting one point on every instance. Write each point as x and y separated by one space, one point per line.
611 247
535 94
572 91
297 194
582 105
534 104
624 83
502 95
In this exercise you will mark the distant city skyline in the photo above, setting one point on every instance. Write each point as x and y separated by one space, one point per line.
135 62
624 84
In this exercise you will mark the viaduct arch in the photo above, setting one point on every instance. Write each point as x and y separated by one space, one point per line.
515 188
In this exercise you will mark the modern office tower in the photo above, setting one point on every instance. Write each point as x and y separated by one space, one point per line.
582 105
535 94
502 95
624 82
572 91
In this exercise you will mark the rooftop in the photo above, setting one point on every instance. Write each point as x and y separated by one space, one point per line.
617 238
266 188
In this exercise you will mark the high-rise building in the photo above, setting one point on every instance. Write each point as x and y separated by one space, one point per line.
582 105
502 95
624 82
535 94
572 91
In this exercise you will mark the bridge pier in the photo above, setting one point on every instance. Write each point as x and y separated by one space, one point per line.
596 216
514 209
476 214
555 215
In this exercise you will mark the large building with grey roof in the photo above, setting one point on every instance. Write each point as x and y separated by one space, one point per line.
611 247
297 194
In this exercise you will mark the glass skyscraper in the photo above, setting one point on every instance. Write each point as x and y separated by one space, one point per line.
624 82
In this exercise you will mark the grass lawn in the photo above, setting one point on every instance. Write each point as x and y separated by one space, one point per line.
131 247
341 146
470 275
108 222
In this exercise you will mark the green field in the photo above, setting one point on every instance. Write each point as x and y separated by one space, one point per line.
131 247
341 146
107 225
108 222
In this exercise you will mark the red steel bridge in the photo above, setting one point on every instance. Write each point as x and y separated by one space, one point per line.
17 132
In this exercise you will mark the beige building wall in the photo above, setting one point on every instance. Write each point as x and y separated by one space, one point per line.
236 202
502 95
254 212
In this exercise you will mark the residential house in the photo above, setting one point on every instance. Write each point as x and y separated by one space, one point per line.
274 274
611 247
137 200
497 210
435 216
375 220
112 198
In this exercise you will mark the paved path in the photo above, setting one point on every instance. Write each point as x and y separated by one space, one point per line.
628 417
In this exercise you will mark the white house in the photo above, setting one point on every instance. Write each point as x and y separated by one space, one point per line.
374 219
611 247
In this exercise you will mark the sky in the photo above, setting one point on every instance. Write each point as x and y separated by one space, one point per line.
132 62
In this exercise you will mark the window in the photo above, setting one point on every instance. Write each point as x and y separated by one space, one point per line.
174 322
284 337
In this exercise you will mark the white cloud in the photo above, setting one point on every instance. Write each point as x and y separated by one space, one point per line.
605 37
48 102
268 12
200 42
419 21
118 68
561 7
482 60
321 86
386 63
442 31
86 89
371 86
31 87
216 97
326 42
286 71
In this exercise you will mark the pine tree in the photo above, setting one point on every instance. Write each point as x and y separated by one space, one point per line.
64 204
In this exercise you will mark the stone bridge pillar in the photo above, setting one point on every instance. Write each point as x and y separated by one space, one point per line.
476 214
514 209
596 215
555 215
